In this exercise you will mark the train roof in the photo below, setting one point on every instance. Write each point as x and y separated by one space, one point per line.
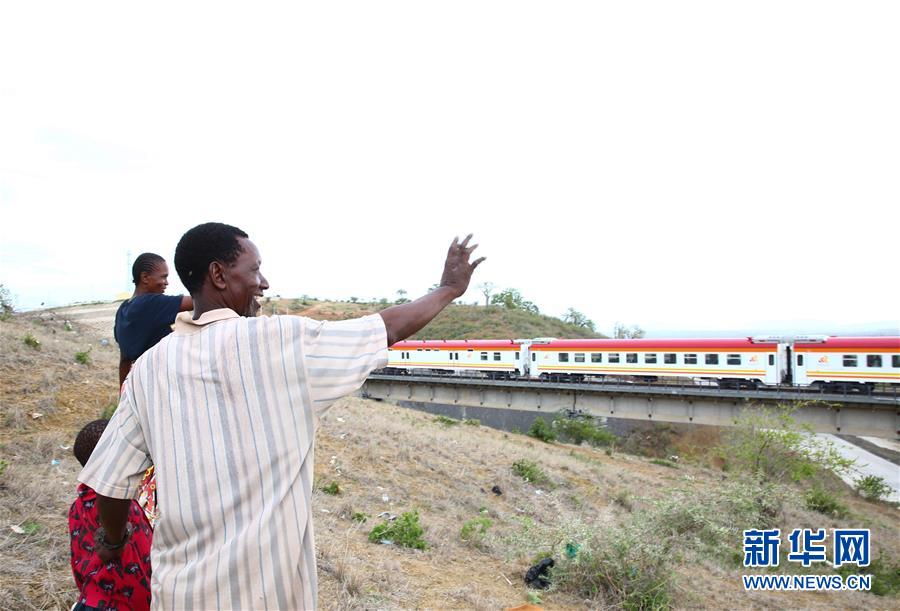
457 344
882 343
742 343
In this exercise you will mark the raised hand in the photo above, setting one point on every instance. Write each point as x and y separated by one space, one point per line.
457 269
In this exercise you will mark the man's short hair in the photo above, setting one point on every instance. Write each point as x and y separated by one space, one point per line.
87 440
146 262
201 246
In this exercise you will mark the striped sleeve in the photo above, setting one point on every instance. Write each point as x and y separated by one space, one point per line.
340 355
120 458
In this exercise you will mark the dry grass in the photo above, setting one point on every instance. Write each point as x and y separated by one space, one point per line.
376 450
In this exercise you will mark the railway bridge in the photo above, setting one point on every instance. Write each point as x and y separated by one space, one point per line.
876 415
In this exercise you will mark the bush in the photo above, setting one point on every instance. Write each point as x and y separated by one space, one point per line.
541 430
769 444
332 489
630 570
580 429
885 576
825 502
873 487
359 516
473 531
83 358
530 472
404 531
32 342
472 421
662 462
445 421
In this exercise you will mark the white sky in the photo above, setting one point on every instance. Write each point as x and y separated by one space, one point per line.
679 165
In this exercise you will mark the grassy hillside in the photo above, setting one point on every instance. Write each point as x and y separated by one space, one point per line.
455 322
624 529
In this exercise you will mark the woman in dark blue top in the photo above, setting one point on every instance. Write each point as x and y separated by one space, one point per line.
147 317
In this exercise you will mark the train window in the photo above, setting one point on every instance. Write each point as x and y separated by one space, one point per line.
690 359
631 357
734 359
873 360
533 356
517 356
650 358
596 357
563 357
579 357
799 360
895 360
669 358
613 357
496 356
771 360
484 356
712 359
849 360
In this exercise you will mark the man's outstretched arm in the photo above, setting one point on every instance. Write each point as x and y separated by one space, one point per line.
401 321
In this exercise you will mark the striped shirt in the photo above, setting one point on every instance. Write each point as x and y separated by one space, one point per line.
226 409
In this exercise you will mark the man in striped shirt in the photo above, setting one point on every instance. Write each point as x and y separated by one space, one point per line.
226 409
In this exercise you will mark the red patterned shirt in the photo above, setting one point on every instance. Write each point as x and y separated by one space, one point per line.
121 584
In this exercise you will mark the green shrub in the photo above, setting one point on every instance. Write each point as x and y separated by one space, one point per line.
664 463
631 570
873 487
83 357
445 421
472 421
3 465
885 576
580 429
31 527
769 444
332 489
31 341
530 472
404 531
541 430
359 516
819 499
473 531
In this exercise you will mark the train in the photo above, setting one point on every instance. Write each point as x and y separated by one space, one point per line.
838 364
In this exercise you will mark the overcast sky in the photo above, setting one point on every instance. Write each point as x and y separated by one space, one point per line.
677 165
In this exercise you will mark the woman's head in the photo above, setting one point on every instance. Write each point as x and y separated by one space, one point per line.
150 273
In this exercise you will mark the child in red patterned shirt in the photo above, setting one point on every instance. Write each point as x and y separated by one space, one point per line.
123 583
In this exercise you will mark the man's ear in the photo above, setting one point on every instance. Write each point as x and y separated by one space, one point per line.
217 275
143 280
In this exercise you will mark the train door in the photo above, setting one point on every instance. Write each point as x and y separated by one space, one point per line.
787 372
798 367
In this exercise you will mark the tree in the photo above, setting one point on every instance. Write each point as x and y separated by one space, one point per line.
486 289
574 317
621 331
513 300
401 296
6 303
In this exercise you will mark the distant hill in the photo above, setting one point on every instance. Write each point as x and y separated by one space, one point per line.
455 322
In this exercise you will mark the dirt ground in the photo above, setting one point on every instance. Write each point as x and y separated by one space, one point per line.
384 459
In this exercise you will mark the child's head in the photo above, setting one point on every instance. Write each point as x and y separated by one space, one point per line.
87 439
